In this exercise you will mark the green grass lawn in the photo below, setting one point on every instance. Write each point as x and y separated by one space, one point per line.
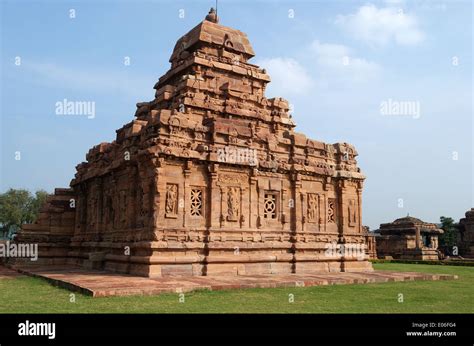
33 295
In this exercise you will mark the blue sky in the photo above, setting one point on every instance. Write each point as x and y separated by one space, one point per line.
335 61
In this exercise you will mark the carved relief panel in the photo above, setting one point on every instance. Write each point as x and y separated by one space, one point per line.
352 212
313 207
82 209
123 208
171 204
331 212
109 209
140 209
233 203
92 206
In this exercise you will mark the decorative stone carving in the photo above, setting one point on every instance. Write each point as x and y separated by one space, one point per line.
233 203
110 211
171 206
331 210
270 206
196 202
232 179
123 207
313 207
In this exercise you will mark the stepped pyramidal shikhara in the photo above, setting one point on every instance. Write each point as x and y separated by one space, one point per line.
210 178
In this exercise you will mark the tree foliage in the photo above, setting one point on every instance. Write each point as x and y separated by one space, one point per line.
449 237
19 206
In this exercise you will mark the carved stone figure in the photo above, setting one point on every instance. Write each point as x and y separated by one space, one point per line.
312 207
233 204
171 199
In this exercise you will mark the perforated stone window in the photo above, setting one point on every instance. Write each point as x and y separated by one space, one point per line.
196 202
270 206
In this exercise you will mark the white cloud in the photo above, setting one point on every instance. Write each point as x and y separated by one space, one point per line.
321 65
329 54
288 76
380 26
338 62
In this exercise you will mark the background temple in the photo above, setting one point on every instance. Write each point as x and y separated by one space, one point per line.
408 238
466 234
159 200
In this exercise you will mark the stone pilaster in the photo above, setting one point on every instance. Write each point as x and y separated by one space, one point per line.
214 198
186 191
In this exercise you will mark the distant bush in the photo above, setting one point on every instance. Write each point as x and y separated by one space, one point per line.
17 207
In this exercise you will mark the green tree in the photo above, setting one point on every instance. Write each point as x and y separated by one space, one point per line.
449 237
38 201
19 206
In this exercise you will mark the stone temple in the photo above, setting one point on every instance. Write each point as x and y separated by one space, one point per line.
408 238
466 234
210 178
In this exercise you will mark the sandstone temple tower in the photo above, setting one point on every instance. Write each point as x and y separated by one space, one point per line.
209 178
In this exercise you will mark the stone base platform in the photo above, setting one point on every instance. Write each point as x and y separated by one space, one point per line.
104 284
7 273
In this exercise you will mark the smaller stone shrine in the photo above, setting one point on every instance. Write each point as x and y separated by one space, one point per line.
466 234
408 238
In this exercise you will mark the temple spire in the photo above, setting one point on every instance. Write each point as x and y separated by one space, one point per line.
212 15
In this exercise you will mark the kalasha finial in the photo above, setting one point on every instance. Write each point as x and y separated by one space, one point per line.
212 16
